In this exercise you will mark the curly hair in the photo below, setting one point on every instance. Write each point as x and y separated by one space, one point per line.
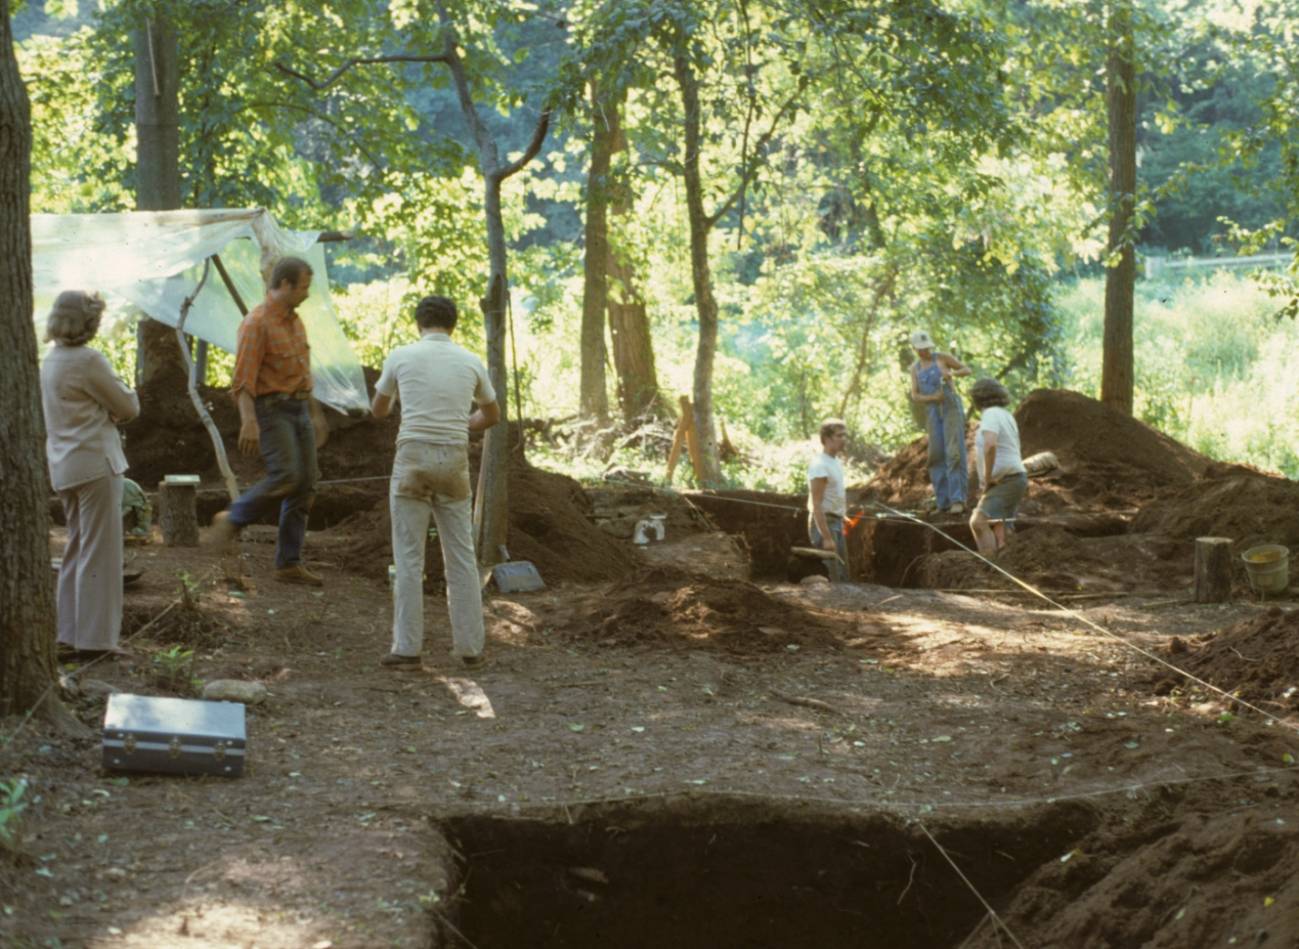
989 392
74 318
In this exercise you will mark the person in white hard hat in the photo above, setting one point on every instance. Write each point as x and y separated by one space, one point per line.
931 385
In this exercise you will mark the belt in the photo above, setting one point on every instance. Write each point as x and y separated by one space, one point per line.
301 395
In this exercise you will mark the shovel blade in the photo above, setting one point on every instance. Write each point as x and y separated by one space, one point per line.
517 576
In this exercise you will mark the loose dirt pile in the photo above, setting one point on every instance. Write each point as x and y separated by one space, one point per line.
550 525
1232 501
667 607
1057 561
1256 659
1108 460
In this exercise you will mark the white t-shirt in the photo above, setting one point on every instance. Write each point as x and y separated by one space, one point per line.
435 380
999 421
835 499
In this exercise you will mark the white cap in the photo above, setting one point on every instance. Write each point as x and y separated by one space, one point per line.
920 340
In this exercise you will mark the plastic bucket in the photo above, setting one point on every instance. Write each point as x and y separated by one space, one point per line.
1268 567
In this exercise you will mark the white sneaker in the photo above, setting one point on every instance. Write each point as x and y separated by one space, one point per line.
957 508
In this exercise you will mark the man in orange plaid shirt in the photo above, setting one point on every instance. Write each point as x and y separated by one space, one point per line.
272 385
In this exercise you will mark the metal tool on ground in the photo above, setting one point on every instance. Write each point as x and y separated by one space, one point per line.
515 576
816 553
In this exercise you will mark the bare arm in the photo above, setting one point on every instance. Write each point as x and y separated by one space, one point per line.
249 436
953 365
817 493
381 406
989 456
484 417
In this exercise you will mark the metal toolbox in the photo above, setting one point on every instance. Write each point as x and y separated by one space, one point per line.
179 736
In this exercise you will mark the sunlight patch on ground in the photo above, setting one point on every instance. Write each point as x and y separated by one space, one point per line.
470 695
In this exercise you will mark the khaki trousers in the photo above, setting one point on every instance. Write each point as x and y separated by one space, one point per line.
90 581
433 479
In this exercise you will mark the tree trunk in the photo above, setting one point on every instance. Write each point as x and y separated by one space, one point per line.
491 506
594 402
1120 278
629 329
160 372
26 585
701 272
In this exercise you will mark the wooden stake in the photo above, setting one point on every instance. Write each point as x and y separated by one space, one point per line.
1212 569
678 440
692 436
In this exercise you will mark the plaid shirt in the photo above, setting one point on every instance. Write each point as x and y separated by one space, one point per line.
273 354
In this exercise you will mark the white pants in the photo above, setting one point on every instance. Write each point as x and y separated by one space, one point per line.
434 479
90 580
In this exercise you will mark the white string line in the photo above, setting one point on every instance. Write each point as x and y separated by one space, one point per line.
877 804
1087 622
966 880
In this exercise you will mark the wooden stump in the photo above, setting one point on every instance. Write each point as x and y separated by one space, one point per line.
177 510
1212 569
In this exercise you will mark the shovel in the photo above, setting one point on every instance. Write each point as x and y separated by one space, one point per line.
816 553
516 576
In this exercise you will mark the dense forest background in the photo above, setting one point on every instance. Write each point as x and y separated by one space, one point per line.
807 180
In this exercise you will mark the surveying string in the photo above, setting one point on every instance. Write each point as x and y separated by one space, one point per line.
1087 622
966 880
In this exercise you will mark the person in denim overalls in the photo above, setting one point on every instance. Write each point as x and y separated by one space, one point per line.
931 385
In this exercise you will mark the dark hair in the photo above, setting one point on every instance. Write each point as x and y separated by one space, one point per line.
830 427
989 392
290 269
436 313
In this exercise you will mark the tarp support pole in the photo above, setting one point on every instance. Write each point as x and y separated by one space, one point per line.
230 284
218 446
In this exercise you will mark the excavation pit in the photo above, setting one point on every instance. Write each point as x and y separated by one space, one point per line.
717 873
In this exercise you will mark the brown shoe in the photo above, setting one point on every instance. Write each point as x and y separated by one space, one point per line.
296 573
395 661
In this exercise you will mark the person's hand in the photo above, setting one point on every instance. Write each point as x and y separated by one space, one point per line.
827 543
249 439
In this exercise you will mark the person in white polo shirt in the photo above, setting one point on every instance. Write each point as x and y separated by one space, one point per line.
997 457
829 500
437 383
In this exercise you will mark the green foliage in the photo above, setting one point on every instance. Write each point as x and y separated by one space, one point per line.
173 670
13 792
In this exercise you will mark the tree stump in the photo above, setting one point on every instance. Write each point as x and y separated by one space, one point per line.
177 510
1212 569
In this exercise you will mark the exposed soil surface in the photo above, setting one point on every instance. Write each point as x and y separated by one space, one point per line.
659 751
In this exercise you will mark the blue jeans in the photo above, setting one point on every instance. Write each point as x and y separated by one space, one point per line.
947 458
288 444
838 568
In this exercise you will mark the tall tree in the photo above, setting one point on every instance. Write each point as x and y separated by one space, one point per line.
160 369
629 326
1121 275
26 588
452 48
593 389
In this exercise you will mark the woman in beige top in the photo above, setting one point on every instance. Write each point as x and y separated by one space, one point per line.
83 402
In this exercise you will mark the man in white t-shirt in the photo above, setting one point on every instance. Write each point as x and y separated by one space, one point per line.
436 382
997 456
828 498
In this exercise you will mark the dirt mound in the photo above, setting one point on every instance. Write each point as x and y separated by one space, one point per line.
664 606
550 525
1256 659
1057 561
1231 501
1175 873
1108 460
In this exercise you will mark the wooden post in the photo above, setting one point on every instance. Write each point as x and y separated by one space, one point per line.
1212 569
678 441
692 438
178 510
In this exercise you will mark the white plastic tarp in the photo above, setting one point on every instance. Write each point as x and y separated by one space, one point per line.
153 260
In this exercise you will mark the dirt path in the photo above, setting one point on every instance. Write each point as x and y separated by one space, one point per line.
376 802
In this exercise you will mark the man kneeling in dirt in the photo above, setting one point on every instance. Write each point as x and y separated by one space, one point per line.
1002 477
436 381
829 501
